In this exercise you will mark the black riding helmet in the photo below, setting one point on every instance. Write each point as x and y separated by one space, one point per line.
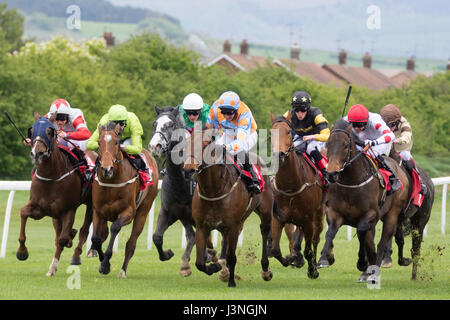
301 101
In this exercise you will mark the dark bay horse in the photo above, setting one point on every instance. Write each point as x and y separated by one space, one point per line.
176 191
298 194
356 198
55 192
116 197
221 201
418 221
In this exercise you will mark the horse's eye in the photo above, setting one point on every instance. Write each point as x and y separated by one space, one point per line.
154 124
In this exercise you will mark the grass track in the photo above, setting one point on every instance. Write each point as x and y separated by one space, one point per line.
148 278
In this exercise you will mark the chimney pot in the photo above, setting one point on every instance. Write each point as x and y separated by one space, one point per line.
410 64
367 61
342 57
227 47
244 47
295 51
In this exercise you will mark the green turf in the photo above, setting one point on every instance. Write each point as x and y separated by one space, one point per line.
149 278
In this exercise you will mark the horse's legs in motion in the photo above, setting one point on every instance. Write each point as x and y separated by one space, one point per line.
297 239
100 234
232 238
165 219
201 234
277 229
64 235
123 219
416 234
84 232
389 228
309 252
185 269
138 226
400 241
266 217
333 226
224 273
387 260
25 212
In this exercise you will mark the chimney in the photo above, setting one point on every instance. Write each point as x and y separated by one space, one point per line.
367 61
110 40
410 64
342 57
295 51
448 64
227 47
244 47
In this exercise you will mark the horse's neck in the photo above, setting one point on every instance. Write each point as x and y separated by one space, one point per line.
289 174
174 171
357 170
54 165
213 181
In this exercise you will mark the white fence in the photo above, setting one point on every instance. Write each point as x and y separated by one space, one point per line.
14 186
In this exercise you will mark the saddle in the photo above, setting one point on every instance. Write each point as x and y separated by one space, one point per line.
246 175
310 161
139 162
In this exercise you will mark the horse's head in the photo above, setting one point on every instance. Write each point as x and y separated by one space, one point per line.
43 138
166 129
340 148
281 137
200 151
109 148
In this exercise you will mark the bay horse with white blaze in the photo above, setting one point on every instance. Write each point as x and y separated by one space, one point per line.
356 198
56 192
298 193
221 201
116 197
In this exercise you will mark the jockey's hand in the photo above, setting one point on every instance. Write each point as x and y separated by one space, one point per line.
309 137
62 134
123 147
27 142
371 143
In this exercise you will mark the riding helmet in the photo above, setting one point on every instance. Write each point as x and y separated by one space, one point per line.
229 101
301 100
358 113
117 112
192 102
390 113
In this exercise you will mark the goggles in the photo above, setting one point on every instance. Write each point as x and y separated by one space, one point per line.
192 112
227 112
359 125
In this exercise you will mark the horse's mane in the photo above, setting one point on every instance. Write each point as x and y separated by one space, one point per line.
168 111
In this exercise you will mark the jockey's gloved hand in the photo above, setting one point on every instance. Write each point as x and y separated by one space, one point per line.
371 143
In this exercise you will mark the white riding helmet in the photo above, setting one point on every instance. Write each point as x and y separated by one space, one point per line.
192 102
61 106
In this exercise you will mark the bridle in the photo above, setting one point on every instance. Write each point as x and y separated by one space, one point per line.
284 154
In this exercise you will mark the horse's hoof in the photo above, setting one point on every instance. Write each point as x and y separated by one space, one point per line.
231 284
22 256
404 262
185 272
386 263
75 261
167 255
224 275
92 254
363 278
122 274
313 274
104 268
210 255
50 274
362 265
267 275
331 260
298 262
323 264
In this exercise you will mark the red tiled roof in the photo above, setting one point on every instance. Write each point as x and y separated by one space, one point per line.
403 77
365 77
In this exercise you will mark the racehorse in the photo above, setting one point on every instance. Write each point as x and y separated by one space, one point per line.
116 197
418 221
221 201
55 192
176 190
357 198
298 194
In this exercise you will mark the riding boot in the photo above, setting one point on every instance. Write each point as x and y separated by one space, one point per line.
321 164
253 183
393 178
410 166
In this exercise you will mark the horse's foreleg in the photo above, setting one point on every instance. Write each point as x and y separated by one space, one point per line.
57 225
389 228
185 269
265 215
200 243
99 234
309 252
326 253
277 229
400 241
164 221
232 238
22 251
84 232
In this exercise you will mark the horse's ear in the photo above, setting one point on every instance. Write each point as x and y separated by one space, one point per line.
100 128
175 111
158 110
36 115
272 118
289 117
118 129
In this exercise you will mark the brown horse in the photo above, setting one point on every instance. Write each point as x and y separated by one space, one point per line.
116 197
55 192
298 194
356 198
418 221
221 201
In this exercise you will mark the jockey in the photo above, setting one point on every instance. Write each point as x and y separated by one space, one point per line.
370 128
193 109
311 128
403 141
131 138
237 129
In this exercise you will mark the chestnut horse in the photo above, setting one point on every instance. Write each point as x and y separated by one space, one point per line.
298 194
55 192
221 201
116 198
356 198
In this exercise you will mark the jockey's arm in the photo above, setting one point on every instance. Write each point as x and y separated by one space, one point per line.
242 134
405 137
322 124
136 136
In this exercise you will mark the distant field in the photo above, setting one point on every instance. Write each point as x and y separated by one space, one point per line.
148 278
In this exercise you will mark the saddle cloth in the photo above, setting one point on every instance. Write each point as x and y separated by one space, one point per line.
313 166
247 175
